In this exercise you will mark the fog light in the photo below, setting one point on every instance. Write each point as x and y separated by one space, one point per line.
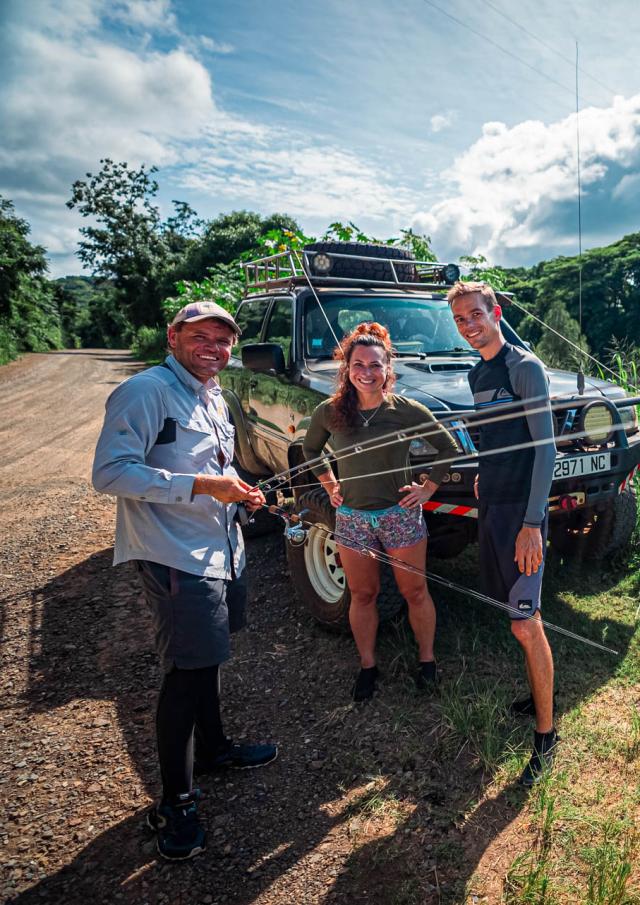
596 420
446 479
322 263
456 477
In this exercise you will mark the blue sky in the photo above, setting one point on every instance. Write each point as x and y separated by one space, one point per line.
455 118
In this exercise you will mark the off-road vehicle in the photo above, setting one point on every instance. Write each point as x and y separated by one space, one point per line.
293 310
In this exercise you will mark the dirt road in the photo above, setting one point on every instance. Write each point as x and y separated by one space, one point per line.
363 806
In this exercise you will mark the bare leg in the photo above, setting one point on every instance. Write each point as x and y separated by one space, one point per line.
363 577
413 587
539 665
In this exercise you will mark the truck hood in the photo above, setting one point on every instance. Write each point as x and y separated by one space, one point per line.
442 385
448 386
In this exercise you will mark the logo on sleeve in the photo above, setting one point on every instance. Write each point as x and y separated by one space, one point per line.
525 606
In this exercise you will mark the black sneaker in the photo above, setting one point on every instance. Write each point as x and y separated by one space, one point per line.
180 834
526 706
541 760
427 676
365 684
236 756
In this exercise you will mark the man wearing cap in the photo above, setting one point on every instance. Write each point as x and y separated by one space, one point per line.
165 451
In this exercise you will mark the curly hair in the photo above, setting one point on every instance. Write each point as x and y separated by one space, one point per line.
345 399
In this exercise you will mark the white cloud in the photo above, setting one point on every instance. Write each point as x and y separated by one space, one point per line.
441 121
79 97
216 46
507 191
155 15
275 170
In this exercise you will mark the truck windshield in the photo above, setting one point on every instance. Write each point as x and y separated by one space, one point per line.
418 326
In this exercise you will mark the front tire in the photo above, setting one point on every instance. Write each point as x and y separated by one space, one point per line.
317 574
600 534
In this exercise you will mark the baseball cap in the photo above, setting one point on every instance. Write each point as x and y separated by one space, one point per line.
198 311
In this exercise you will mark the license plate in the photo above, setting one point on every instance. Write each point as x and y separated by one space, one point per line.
576 466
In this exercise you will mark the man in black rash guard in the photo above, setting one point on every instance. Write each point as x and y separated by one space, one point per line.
515 470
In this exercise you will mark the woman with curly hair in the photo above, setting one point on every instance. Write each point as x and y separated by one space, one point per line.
377 503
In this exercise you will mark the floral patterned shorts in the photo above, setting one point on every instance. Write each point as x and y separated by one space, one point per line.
381 529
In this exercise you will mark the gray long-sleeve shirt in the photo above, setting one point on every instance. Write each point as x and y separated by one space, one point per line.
162 427
514 387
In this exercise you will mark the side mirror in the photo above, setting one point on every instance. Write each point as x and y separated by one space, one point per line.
263 357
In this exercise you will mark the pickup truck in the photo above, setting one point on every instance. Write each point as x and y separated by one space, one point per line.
293 309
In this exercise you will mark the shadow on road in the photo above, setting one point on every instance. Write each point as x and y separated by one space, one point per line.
93 641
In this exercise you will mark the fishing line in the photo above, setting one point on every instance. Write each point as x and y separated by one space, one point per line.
285 477
574 345
386 558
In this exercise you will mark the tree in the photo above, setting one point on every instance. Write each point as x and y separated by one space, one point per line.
90 313
230 237
131 245
29 316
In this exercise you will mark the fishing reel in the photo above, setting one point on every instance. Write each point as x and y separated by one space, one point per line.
294 531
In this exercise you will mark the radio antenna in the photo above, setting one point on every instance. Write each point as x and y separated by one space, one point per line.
581 380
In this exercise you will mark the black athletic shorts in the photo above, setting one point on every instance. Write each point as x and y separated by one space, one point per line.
193 615
498 527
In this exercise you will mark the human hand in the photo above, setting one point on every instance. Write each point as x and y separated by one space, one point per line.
476 486
417 494
228 489
332 488
335 497
529 552
254 500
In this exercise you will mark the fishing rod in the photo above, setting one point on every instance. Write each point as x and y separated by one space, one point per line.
297 529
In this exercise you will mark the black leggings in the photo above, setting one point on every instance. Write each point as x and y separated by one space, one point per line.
188 701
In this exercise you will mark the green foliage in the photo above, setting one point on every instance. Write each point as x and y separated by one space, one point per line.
552 347
130 244
91 313
610 291
29 316
149 344
228 238
420 245
224 285
480 270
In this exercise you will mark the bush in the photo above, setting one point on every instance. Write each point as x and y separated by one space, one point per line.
150 344
8 344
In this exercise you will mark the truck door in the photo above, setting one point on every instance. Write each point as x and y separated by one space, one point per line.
269 393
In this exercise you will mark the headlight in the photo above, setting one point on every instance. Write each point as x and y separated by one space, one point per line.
597 422
322 264
421 447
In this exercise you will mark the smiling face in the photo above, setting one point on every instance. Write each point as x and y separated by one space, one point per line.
368 370
479 325
203 347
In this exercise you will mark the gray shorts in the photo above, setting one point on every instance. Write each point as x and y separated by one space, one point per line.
193 615
498 527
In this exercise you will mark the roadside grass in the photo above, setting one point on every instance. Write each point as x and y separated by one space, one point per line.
573 838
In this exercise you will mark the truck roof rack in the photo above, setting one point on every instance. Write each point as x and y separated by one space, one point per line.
287 269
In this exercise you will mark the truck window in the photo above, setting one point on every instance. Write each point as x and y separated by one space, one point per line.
279 327
249 318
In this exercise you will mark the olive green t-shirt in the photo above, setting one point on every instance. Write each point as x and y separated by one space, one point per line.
380 491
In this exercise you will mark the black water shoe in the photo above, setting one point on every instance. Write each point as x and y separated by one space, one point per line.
236 756
365 684
427 676
541 760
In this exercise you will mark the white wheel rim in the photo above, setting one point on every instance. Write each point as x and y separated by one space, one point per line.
323 564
